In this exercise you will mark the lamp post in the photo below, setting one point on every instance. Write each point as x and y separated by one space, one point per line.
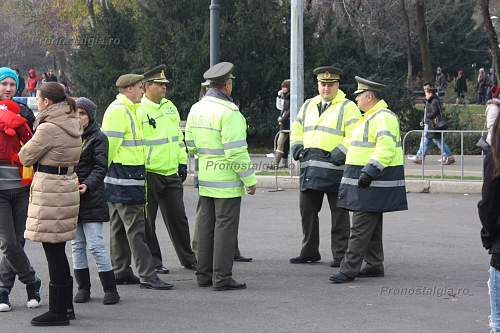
214 32
296 62
494 20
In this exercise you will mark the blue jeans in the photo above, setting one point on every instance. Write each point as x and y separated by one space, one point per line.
494 290
90 234
424 144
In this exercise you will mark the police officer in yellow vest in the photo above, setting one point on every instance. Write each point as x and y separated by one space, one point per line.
166 169
373 182
319 142
216 134
124 187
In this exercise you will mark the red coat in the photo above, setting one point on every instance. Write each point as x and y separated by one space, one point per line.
13 130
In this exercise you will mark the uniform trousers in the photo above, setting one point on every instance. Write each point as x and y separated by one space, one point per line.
365 243
310 205
218 221
127 231
166 192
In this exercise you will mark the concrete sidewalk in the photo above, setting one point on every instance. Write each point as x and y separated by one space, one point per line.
436 274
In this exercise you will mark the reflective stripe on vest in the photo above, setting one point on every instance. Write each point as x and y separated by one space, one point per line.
365 142
235 144
320 164
114 134
219 184
160 141
246 173
210 151
374 183
124 182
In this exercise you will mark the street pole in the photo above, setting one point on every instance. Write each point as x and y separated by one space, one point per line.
214 32
296 63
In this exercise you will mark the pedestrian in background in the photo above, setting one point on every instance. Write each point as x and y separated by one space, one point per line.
283 143
91 171
54 197
492 78
489 214
440 82
461 87
33 82
482 85
22 83
433 114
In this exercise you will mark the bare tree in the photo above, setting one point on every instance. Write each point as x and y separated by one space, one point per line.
492 36
90 7
423 40
406 20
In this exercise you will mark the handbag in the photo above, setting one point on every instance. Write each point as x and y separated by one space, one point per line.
440 122
482 143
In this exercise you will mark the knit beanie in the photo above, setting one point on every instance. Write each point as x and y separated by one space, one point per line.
88 106
6 72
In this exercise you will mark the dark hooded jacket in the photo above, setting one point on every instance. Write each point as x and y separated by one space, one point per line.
91 171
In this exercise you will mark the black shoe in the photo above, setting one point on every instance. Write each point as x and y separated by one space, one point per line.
304 260
129 279
371 272
82 277
68 296
108 282
231 285
191 266
34 290
5 305
156 283
336 262
205 284
161 270
341 278
241 258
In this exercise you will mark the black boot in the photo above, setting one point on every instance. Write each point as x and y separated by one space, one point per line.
109 286
56 316
68 294
82 277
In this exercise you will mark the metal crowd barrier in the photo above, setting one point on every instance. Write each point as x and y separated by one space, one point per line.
442 132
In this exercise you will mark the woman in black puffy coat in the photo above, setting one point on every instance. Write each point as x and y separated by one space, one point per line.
91 171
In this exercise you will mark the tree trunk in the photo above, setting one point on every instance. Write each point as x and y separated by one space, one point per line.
424 41
90 7
492 35
406 20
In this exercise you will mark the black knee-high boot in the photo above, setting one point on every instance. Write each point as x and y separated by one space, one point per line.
109 286
82 277
57 314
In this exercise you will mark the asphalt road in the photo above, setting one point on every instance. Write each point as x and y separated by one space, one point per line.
436 274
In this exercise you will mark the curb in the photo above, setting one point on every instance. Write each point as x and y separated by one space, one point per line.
412 185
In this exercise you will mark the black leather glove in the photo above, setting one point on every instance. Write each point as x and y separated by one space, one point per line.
337 157
298 152
182 171
364 180
371 170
